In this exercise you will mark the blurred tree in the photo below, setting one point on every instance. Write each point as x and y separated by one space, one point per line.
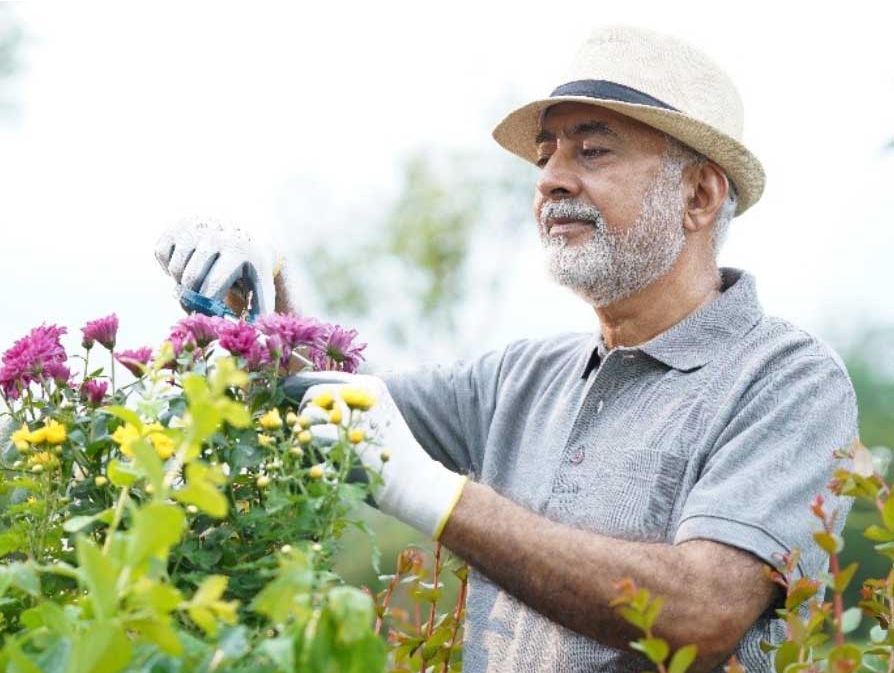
11 38
419 260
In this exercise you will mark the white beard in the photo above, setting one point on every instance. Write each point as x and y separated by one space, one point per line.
612 265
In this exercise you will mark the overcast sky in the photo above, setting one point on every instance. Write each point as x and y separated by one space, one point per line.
132 114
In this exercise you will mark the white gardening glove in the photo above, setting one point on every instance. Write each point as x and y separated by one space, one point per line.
417 489
208 257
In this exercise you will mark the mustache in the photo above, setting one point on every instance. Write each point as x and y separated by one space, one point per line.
573 210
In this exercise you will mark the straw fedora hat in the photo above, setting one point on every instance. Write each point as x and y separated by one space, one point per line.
660 81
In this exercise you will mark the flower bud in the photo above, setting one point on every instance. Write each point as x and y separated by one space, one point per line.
335 416
286 549
305 437
316 472
316 547
356 436
192 509
385 455
100 480
263 481
296 451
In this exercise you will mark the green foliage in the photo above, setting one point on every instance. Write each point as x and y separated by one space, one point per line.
190 523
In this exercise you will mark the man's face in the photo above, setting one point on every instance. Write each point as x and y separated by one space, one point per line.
608 201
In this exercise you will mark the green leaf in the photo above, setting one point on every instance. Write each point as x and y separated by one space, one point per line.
650 614
125 414
888 513
655 649
77 523
786 654
201 490
829 542
845 576
352 612
100 576
845 657
633 616
156 528
146 458
878 534
122 474
102 648
159 633
850 619
682 659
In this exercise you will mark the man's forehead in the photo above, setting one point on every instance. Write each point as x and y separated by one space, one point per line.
570 115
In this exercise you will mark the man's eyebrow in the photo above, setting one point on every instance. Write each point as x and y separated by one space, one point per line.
588 128
592 128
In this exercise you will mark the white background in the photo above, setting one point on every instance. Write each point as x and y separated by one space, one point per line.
132 114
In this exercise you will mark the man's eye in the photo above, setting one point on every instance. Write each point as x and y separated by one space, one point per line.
542 160
593 152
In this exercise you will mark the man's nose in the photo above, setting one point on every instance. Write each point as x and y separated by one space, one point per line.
558 180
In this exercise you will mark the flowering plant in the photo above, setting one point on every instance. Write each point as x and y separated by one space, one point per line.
188 520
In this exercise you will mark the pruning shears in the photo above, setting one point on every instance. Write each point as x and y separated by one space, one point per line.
192 301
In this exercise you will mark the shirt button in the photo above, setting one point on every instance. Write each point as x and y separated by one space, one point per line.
577 457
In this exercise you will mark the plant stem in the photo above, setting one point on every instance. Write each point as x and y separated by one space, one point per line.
387 598
116 519
457 615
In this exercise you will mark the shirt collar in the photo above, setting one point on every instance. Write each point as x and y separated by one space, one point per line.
704 333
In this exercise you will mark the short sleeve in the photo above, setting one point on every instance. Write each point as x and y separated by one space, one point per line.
449 409
771 460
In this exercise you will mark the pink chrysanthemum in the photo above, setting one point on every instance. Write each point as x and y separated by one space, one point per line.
239 338
135 359
38 356
338 351
202 328
103 330
293 331
94 391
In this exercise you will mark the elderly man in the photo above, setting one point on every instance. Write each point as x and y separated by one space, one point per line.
680 445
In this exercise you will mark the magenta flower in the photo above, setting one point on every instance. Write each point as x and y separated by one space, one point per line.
135 359
239 338
338 351
103 330
95 391
202 328
293 331
37 356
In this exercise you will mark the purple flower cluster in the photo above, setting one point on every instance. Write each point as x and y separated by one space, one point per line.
199 329
328 346
135 359
339 351
94 390
39 356
103 330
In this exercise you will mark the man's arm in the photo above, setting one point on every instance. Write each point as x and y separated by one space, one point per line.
713 593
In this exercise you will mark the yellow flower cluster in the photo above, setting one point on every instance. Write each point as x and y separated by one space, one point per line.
52 432
127 434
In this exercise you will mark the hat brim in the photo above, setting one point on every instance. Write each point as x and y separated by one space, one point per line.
520 127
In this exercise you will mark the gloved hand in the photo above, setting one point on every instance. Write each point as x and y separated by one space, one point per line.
207 257
417 489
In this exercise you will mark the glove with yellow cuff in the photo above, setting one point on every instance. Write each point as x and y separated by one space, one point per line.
416 489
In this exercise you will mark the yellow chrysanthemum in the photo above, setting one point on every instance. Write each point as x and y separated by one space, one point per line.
164 446
44 459
357 398
356 436
21 438
38 436
55 432
266 440
271 420
125 435
324 400
335 416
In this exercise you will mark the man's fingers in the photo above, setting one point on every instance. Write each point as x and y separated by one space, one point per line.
227 269
164 250
199 265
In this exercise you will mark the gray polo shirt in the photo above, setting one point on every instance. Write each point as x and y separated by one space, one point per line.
721 428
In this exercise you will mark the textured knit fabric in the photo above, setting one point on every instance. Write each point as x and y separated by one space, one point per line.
721 428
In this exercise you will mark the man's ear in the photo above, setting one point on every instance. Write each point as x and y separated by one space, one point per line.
706 190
